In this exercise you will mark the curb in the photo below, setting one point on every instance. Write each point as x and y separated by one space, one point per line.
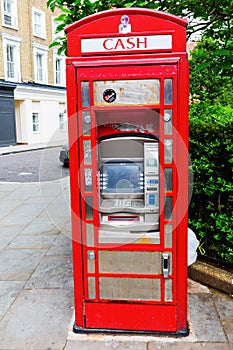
27 148
212 276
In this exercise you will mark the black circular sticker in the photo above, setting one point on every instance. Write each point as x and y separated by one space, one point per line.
109 95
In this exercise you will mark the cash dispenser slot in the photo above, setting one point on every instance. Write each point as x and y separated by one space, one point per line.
123 218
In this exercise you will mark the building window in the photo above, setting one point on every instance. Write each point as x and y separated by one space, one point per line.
35 122
55 24
40 64
11 49
9 17
59 69
38 20
61 122
10 54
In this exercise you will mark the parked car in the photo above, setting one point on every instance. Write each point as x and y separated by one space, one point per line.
64 155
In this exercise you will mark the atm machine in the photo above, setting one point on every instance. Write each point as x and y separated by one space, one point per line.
129 189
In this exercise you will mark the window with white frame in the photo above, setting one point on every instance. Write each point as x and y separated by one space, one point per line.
59 69
40 54
11 50
55 24
38 20
61 122
35 123
9 15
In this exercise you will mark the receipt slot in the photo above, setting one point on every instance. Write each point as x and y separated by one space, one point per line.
127 96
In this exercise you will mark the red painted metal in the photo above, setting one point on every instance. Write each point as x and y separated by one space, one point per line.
123 57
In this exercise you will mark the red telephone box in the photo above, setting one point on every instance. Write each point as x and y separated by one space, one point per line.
127 91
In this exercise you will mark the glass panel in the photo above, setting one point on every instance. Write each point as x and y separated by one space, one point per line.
168 236
88 179
90 261
85 91
127 92
168 179
167 121
90 235
89 207
167 91
86 117
168 290
87 151
129 262
91 287
130 288
168 208
167 151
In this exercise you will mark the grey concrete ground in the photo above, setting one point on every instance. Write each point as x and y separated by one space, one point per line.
36 294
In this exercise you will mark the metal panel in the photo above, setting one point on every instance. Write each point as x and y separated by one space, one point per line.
114 288
133 262
128 92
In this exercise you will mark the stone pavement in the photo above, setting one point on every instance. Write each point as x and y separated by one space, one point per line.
36 294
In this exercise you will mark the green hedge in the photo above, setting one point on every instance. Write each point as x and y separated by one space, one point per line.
211 152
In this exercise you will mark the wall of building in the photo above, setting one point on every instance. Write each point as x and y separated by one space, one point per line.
47 99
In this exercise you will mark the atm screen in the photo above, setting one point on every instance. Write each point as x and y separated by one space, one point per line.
121 176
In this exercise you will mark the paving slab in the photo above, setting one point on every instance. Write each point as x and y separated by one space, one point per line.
52 272
8 234
7 205
32 242
23 214
188 346
40 225
9 290
205 321
92 344
18 265
37 320
224 307
62 245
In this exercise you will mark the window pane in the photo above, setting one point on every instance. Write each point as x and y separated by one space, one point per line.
87 151
167 121
91 287
168 208
168 290
88 179
10 61
90 235
167 151
7 5
61 122
86 117
37 23
85 91
89 207
35 122
168 179
58 71
168 91
168 236
39 66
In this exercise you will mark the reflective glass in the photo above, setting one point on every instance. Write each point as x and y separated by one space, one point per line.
85 92
168 208
167 91
89 207
87 151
